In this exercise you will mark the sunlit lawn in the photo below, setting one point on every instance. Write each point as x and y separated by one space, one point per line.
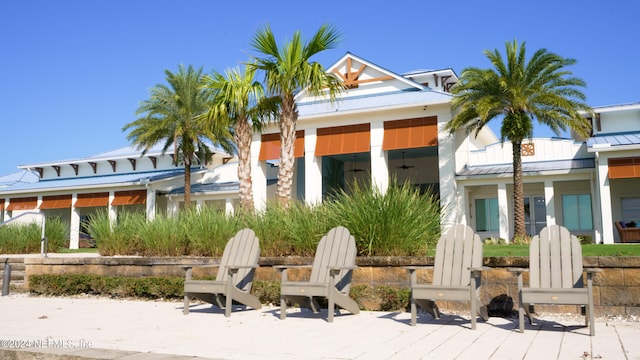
587 250
501 250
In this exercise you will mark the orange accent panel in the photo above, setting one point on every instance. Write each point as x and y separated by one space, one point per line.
28 203
411 133
92 200
343 140
56 202
624 168
133 197
1 204
270 146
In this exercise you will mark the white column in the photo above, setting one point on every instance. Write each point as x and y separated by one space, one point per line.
172 207
503 211
596 209
258 174
605 199
312 169
228 206
549 202
462 198
113 215
379 158
151 203
74 231
446 163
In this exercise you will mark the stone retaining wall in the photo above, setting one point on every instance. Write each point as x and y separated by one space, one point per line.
616 289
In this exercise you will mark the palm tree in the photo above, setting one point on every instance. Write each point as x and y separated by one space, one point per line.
171 115
519 91
288 71
240 100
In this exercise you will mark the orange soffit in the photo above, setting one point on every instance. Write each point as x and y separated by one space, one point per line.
56 202
28 203
624 168
133 197
343 140
411 133
270 146
92 200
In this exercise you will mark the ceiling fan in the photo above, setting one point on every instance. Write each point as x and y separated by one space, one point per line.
404 166
355 169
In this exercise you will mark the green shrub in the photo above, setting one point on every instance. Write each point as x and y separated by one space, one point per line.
26 238
267 291
387 298
206 230
402 221
162 237
76 284
393 299
121 237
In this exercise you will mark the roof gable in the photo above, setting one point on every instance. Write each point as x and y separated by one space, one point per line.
369 86
362 77
358 73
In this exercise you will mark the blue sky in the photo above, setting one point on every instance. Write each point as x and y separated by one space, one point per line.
72 73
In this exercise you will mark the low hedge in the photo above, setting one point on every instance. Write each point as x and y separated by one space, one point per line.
119 287
383 298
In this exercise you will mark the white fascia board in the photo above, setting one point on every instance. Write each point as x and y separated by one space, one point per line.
612 108
525 175
608 148
67 188
370 109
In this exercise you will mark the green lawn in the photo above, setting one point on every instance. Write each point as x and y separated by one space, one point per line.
587 250
503 250
81 250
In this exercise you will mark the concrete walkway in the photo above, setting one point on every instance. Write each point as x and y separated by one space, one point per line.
99 328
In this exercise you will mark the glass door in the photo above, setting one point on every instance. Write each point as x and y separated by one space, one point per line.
535 214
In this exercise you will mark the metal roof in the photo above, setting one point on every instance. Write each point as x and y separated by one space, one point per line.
209 187
23 176
95 181
122 153
613 141
372 101
529 167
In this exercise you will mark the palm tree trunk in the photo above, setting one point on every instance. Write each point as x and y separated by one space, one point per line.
518 192
187 180
243 139
287 155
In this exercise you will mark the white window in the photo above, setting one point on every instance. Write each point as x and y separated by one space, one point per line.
630 209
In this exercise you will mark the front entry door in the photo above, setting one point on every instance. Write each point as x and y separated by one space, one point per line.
535 214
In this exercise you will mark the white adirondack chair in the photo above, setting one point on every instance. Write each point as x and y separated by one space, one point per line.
235 276
456 275
330 276
555 275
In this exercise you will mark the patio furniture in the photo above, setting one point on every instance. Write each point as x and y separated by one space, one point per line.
456 275
235 276
628 234
330 277
555 275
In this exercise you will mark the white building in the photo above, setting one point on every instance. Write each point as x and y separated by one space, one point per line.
384 126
